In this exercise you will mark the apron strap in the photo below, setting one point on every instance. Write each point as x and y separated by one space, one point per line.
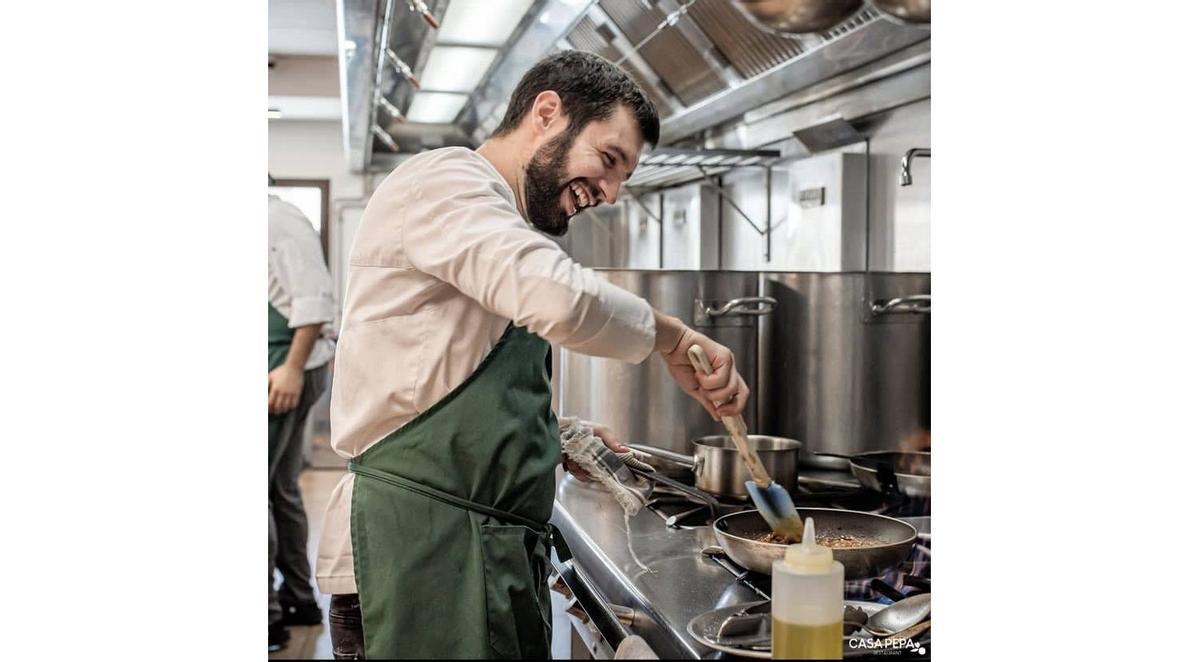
560 545
444 497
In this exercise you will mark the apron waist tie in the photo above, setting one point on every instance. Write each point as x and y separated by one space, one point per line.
466 504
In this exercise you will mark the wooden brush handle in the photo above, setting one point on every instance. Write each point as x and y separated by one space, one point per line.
735 425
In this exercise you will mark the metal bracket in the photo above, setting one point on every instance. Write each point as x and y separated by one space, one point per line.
726 197
638 199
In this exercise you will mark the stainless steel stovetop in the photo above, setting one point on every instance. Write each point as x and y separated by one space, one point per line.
611 596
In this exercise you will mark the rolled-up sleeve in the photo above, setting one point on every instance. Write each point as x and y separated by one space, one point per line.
307 281
460 229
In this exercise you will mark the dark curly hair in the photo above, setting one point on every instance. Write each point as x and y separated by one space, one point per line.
590 87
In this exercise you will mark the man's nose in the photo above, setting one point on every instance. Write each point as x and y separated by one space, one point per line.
609 190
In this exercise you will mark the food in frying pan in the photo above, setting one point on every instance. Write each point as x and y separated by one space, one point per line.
832 541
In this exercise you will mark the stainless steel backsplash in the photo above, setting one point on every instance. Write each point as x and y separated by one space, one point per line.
820 368
641 402
833 376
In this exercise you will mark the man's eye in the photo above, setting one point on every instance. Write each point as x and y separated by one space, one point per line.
609 160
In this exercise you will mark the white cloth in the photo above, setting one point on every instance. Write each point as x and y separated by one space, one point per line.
441 263
581 445
299 285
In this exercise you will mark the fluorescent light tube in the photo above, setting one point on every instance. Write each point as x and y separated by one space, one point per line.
435 107
456 68
481 22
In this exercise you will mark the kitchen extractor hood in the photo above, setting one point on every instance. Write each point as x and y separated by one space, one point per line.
702 62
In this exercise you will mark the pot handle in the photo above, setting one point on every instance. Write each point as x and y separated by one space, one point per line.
744 306
678 458
914 303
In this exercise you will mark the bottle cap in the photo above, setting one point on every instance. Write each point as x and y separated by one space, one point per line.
808 556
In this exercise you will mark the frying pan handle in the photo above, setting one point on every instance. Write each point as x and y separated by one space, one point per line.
735 425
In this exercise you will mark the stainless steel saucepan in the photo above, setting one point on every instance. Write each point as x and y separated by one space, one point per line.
718 470
879 542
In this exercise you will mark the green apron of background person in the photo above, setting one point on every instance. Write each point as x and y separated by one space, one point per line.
449 517
279 342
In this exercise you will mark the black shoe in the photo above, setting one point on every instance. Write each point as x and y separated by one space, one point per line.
309 614
277 637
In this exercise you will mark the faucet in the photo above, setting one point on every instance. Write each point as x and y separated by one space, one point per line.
905 174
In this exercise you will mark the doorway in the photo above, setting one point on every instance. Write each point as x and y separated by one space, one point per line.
311 196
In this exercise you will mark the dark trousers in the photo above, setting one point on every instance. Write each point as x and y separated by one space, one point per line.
287 547
345 627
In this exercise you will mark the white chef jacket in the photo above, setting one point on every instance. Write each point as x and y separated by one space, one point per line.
441 263
298 283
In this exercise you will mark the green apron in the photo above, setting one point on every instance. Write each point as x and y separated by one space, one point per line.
279 338
279 342
449 517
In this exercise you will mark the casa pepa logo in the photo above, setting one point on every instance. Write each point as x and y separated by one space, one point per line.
888 646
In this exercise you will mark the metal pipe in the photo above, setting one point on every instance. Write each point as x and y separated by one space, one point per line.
390 108
385 137
423 9
382 35
905 173
767 233
402 68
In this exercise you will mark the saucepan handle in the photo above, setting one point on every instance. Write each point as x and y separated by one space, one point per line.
679 458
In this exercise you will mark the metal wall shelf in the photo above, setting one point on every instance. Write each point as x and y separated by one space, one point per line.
667 167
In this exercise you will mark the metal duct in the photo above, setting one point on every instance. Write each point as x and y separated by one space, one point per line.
862 39
704 67
588 36
751 51
676 61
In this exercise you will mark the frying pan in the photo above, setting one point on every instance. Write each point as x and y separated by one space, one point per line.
891 540
883 471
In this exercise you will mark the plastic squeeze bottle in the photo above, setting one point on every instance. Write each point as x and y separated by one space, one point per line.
806 602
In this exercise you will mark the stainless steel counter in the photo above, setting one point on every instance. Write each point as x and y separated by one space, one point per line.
656 605
611 597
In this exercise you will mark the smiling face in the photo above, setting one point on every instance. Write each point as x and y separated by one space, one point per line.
569 173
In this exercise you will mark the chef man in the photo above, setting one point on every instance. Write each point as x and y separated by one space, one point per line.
435 545
299 309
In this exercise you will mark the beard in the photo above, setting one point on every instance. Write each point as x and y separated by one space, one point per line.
545 177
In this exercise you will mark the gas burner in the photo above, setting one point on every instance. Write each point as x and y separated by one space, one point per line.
909 578
668 504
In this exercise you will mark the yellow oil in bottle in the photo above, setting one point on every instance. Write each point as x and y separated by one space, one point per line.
806 642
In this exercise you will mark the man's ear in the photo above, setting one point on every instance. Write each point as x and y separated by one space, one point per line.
547 108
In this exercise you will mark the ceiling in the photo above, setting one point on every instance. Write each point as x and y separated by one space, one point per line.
302 77
702 62
302 27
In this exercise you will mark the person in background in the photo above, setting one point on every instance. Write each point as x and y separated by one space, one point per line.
436 545
300 309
